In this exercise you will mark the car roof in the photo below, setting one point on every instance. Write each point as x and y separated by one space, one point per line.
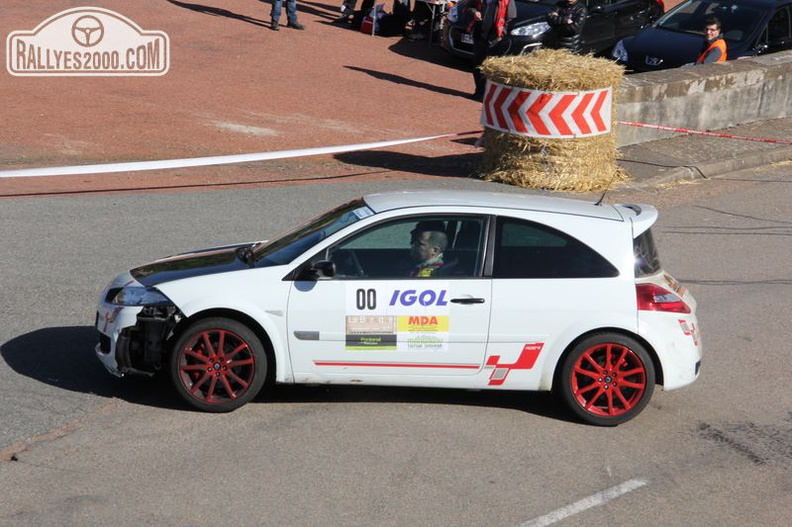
388 201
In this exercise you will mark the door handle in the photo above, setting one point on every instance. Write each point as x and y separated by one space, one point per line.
467 300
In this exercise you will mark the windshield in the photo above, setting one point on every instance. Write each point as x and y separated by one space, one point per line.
737 20
286 248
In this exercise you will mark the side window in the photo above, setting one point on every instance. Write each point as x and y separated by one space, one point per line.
779 29
415 247
525 249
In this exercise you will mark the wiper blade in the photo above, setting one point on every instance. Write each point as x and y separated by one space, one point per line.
246 255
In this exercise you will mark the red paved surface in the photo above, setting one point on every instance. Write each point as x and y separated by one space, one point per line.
234 87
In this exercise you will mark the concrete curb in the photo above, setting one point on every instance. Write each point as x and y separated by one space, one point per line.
714 169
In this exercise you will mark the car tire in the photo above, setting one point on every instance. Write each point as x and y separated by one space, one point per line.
607 379
218 364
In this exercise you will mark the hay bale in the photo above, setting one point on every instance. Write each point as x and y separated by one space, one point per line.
577 164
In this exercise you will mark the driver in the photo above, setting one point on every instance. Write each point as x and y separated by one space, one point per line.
427 244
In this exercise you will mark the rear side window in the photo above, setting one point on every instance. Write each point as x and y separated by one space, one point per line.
646 261
525 249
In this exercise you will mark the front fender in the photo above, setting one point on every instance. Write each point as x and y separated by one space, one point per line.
257 294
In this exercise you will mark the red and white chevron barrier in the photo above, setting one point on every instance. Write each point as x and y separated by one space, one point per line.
549 115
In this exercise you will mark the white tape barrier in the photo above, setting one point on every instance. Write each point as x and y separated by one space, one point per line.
164 164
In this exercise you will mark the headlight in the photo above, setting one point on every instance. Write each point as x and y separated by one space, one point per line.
619 52
533 31
137 296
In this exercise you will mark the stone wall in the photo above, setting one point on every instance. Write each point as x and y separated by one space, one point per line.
705 97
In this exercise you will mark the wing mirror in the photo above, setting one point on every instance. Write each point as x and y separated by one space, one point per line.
323 269
316 271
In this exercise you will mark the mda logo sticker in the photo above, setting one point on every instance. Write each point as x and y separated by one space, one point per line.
87 41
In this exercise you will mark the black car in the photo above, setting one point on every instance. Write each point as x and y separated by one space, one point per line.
608 22
750 28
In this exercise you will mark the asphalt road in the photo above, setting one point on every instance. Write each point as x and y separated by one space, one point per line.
79 447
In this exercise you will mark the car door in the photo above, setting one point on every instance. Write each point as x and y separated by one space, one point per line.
599 30
374 322
778 36
548 288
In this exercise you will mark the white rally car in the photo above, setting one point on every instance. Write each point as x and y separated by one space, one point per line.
523 293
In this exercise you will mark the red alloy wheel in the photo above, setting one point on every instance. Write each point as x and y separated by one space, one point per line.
608 379
218 365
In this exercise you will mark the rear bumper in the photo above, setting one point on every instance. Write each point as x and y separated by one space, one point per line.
676 340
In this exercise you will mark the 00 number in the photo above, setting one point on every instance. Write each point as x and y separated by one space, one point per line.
366 299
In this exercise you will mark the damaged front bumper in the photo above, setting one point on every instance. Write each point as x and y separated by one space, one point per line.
132 339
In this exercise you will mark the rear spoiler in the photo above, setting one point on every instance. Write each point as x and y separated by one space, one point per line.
643 217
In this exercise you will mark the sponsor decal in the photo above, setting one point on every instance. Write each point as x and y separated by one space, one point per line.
371 333
427 297
525 361
690 330
408 319
87 41
423 333
675 285
398 298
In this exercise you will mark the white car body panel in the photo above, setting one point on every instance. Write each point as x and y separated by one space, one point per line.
258 293
342 322
474 332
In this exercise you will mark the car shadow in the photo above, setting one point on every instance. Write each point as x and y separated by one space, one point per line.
63 357
543 404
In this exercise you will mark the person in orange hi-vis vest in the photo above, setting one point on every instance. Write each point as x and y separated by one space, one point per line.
714 48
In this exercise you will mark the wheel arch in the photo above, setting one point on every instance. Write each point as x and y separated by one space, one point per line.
658 366
242 318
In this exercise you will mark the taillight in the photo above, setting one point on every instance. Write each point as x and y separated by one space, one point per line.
652 297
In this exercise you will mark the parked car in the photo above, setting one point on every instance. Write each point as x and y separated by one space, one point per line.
750 28
608 22
531 293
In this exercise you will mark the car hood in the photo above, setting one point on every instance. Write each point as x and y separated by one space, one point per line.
659 49
196 263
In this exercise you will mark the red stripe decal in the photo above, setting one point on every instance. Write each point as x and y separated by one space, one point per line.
525 361
398 365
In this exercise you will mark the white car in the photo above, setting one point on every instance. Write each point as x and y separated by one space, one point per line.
529 293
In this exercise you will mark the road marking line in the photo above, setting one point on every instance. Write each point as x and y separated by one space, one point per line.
108 168
595 500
